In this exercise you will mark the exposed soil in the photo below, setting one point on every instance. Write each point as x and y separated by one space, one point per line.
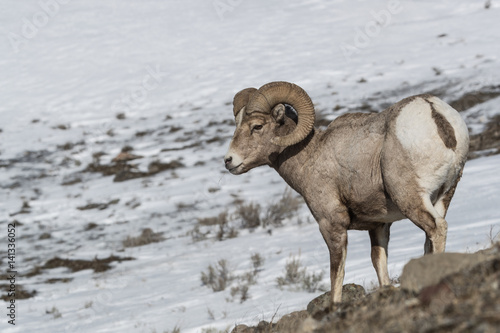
30 157
99 206
59 280
71 181
124 171
75 265
488 140
20 292
25 209
473 98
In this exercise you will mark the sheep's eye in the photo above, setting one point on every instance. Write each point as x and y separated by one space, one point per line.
256 128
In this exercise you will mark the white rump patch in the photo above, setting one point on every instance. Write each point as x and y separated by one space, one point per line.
415 127
417 132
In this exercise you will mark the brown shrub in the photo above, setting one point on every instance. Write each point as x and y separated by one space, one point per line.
282 209
146 237
249 215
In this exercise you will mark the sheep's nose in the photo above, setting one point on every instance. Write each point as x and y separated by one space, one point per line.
227 160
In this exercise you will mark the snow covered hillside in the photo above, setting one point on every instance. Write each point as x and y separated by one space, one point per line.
103 245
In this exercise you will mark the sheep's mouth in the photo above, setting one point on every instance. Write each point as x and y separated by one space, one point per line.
234 170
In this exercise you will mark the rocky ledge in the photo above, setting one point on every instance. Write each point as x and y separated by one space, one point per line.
447 292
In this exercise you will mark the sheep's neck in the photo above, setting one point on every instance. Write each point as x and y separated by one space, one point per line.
292 163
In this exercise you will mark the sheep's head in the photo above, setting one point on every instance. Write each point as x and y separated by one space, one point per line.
262 127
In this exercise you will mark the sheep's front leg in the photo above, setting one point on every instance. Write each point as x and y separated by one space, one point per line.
335 235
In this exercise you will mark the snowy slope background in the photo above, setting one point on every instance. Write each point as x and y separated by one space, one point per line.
81 79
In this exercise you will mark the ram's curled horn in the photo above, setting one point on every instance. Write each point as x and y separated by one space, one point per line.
274 93
241 99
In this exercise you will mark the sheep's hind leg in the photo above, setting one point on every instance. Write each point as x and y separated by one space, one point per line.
427 218
443 203
401 182
379 238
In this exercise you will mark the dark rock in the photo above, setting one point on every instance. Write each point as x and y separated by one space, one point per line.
352 292
437 297
291 322
263 326
466 300
242 329
322 304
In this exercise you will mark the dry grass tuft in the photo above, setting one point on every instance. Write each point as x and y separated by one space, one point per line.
147 237
297 277
218 277
249 215
282 209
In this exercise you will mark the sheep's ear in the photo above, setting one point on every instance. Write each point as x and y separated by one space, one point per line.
278 113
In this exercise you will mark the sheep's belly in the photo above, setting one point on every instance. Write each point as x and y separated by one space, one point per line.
391 216
390 213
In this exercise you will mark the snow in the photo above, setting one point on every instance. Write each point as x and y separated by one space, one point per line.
172 68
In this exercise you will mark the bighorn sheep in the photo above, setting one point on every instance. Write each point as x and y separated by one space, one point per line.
363 172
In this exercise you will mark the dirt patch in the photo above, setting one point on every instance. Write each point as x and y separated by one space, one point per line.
193 145
71 181
28 156
100 206
45 235
215 123
473 98
75 265
487 142
124 171
155 167
174 129
216 139
98 265
20 292
90 226
25 209
58 280
70 145
63 127
144 133
108 169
